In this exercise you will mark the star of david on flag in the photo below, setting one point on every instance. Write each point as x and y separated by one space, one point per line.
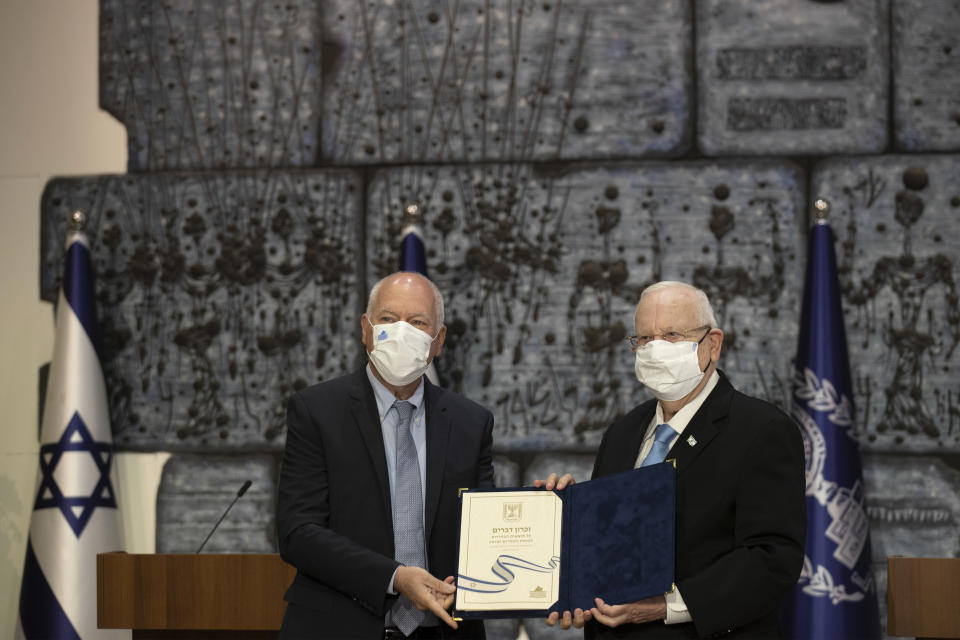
836 596
75 513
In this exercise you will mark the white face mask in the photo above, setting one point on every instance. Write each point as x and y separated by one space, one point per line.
401 352
670 370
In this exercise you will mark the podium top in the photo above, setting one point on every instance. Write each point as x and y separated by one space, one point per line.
191 591
922 597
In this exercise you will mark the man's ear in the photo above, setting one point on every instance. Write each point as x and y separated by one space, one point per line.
716 336
437 343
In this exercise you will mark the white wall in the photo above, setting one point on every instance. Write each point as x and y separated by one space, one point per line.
50 125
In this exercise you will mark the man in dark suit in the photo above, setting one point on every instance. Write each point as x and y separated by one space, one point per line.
367 505
740 512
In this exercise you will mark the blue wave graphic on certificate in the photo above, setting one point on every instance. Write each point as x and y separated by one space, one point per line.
505 576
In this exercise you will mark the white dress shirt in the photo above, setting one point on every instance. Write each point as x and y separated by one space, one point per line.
389 421
676 608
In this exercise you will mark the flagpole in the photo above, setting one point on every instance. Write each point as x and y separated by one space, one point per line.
836 595
413 256
75 511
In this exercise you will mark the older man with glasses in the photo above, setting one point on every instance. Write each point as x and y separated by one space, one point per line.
741 516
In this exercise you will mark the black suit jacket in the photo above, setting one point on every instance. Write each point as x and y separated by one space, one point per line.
741 513
334 520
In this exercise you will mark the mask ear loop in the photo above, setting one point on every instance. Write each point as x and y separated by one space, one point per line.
698 346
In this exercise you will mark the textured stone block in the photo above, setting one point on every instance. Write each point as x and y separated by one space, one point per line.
914 508
427 80
506 472
926 74
194 492
537 629
213 85
580 465
218 294
542 270
898 255
508 629
785 77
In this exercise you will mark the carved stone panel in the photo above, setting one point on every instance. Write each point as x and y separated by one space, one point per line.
194 492
926 74
213 85
542 271
895 218
427 80
580 465
218 295
787 77
914 507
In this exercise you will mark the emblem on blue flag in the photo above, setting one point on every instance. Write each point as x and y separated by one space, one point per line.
836 595
75 513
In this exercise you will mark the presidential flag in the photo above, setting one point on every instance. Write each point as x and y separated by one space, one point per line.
836 596
413 257
413 254
75 513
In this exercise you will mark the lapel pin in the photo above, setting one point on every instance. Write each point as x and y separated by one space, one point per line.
692 441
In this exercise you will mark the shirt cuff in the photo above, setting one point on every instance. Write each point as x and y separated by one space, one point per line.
677 611
390 589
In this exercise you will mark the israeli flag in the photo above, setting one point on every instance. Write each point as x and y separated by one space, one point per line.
836 596
413 257
75 513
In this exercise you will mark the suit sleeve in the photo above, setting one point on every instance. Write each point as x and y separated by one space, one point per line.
749 581
306 540
485 459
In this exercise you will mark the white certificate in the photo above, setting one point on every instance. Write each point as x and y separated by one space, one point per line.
509 550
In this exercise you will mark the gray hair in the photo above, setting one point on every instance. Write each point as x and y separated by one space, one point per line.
705 313
437 296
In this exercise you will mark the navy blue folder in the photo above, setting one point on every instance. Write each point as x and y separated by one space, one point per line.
617 541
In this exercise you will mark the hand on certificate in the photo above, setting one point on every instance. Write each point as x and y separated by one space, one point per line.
614 615
426 592
553 482
567 620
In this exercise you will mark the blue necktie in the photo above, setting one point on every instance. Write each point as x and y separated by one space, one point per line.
661 445
407 516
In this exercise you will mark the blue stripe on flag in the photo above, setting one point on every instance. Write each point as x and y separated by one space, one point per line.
78 289
41 615
413 255
836 596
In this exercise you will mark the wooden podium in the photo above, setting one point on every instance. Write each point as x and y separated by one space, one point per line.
923 597
191 595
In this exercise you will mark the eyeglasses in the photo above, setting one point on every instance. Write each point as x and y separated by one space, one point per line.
671 336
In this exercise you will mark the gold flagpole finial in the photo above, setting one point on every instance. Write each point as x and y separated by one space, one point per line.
78 220
821 209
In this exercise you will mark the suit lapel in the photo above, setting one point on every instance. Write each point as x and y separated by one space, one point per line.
438 438
704 426
364 408
625 456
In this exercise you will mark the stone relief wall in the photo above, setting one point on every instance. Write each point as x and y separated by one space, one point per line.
543 269
218 294
564 154
479 80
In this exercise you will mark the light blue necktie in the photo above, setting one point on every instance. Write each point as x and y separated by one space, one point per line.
407 516
661 445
